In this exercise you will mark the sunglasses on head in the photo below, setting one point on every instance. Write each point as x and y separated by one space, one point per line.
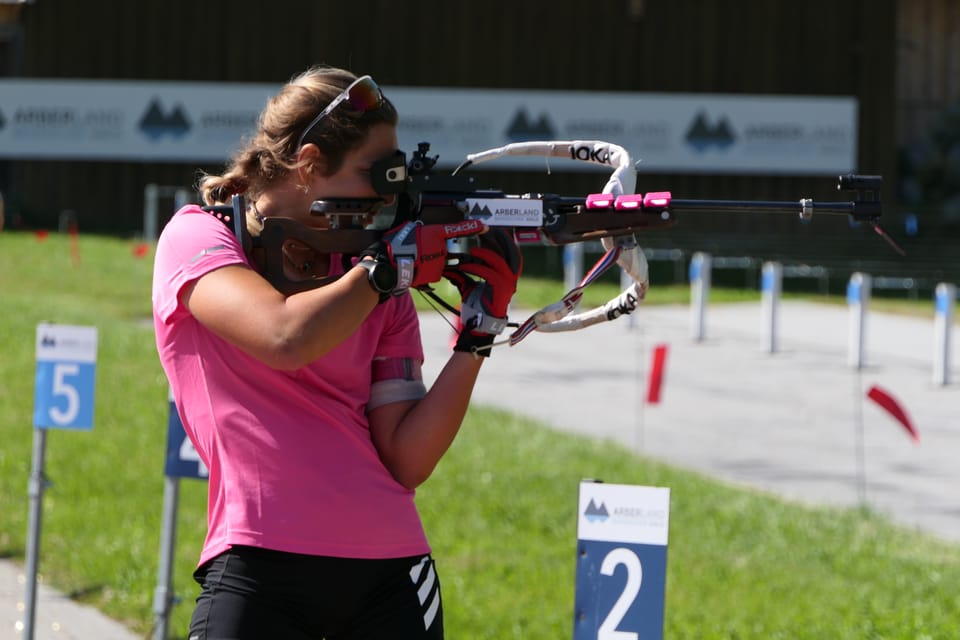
363 94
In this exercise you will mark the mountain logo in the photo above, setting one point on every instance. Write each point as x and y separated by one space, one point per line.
593 513
48 341
702 135
155 123
523 129
479 212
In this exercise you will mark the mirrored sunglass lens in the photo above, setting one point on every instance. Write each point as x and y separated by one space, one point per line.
365 95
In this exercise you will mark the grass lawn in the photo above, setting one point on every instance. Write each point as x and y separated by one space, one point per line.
500 509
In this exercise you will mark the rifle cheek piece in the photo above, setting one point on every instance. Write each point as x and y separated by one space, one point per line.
389 175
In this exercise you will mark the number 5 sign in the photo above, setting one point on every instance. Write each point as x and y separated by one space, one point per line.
621 562
66 366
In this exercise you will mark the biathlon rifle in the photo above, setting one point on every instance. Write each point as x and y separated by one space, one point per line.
612 216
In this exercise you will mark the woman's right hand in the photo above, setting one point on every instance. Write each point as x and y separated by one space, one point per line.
499 263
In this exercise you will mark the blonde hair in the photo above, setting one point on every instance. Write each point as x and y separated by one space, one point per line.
271 153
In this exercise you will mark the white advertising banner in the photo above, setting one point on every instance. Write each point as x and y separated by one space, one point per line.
204 122
124 120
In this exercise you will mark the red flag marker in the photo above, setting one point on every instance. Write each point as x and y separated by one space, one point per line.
890 404
656 374
42 235
140 250
73 234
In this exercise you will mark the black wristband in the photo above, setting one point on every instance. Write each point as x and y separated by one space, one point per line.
479 344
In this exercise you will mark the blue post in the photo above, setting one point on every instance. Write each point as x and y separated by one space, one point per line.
699 294
858 300
945 299
771 285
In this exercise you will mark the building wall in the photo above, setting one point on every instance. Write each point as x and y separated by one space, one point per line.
928 61
815 47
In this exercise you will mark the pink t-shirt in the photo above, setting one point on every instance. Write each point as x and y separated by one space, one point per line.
292 465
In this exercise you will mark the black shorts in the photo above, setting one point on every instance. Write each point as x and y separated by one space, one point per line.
257 593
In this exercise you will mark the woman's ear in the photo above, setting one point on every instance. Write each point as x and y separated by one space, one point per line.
311 162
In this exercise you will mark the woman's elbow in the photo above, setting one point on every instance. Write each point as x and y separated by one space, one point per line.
289 351
408 476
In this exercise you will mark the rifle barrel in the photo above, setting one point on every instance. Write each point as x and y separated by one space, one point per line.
759 206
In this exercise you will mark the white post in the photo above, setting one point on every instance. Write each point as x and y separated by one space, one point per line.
572 265
163 598
699 294
151 194
37 484
858 300
945 297
771 285
625 282
181 198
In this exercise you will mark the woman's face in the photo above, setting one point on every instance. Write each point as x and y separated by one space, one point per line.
352 180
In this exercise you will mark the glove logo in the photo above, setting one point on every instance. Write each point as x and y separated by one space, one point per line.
496 325
463 228
405 272
401 239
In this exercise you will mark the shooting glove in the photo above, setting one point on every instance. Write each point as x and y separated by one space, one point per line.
419 251
499 263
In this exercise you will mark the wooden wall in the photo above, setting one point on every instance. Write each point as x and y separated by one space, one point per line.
815 47
928 61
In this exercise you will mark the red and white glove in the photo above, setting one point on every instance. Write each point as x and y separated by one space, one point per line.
419 251
499 263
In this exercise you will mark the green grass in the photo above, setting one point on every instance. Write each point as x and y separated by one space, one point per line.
500 509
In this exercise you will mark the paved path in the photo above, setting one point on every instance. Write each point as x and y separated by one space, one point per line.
790 423
57 616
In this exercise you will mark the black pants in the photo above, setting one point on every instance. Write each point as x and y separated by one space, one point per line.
251 593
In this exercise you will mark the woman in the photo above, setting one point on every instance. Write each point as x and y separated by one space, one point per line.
309 409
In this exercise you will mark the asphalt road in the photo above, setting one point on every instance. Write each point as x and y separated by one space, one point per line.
796 423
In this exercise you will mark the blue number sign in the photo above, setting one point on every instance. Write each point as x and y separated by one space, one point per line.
182 461
621 562
66 373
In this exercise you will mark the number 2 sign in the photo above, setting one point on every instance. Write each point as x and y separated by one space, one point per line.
66 367
621 562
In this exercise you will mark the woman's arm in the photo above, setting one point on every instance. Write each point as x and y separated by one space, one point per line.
411 437
240 306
